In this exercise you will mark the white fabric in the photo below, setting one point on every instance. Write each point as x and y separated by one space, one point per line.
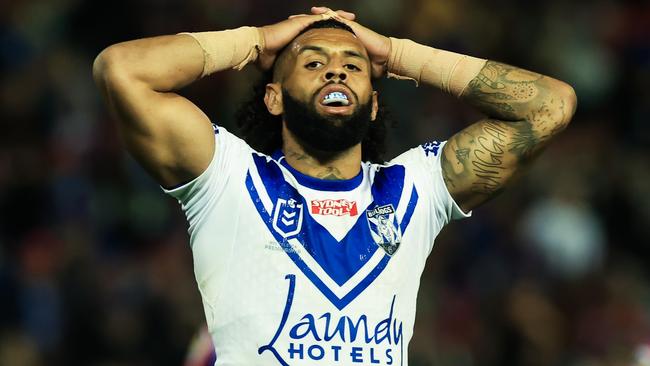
246 263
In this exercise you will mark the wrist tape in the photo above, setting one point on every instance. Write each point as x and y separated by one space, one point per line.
449 71
233 48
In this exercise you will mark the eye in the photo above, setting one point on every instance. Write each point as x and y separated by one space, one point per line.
313 65
352 67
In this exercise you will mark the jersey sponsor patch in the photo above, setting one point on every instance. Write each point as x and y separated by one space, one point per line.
329 207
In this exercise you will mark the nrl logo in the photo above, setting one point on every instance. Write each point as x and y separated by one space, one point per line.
384 228
287 217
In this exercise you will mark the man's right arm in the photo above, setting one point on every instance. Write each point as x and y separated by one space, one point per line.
166 133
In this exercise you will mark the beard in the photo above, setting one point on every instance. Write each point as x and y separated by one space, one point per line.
325 137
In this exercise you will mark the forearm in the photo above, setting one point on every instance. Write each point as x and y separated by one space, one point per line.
448 71
168 63
509 93
500 91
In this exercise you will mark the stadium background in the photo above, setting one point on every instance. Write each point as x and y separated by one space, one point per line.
94 263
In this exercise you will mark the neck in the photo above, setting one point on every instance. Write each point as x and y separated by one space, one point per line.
345 165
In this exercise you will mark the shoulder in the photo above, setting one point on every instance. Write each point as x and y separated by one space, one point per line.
426 154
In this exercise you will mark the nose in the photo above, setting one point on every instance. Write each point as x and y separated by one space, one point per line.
336 73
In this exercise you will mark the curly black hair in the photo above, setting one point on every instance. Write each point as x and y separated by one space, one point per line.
263 131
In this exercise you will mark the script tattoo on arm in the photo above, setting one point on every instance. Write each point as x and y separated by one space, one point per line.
524 110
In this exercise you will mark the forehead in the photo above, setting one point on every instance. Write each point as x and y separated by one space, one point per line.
331 38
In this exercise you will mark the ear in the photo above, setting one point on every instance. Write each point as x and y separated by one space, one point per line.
273 99
375 106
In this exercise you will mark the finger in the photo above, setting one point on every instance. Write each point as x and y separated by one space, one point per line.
356 27
323 13
340 14
306 20
346 14
320 10
345 20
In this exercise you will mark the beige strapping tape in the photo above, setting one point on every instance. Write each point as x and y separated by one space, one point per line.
232 48
449 71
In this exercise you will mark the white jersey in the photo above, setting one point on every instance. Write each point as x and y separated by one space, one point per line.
295 270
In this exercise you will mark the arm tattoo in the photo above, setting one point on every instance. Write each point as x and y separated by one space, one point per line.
524 110
523 141
521 97
462 154
502 91
487 162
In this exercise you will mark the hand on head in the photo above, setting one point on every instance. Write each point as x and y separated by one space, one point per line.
377 45
320 10
277 36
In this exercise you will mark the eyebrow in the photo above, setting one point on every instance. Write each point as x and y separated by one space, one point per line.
350 53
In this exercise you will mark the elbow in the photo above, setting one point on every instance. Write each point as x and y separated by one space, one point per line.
568 102
108 67
561 106
103 65
100 66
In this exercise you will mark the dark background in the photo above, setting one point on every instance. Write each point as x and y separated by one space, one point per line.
95 267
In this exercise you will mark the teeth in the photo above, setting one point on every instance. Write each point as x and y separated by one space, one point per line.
334 97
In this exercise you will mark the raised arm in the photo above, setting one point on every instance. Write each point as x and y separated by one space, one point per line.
524 111
166 133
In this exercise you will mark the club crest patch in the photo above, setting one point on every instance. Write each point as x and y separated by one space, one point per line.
384 228
287 217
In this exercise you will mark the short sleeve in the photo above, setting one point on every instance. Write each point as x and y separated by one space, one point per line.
423 163
200 194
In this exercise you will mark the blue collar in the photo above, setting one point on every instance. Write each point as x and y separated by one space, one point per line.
316 183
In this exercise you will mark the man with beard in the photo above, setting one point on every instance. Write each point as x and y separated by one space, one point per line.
289 228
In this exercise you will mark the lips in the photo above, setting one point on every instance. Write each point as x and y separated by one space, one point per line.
332 88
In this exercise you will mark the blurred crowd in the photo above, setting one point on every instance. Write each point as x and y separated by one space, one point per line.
95 267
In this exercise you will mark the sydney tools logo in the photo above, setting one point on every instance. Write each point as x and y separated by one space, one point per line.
340 207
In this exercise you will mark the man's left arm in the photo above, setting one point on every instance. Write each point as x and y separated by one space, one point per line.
524 110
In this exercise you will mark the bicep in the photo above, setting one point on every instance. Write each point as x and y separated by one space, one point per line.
480 160
166 133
